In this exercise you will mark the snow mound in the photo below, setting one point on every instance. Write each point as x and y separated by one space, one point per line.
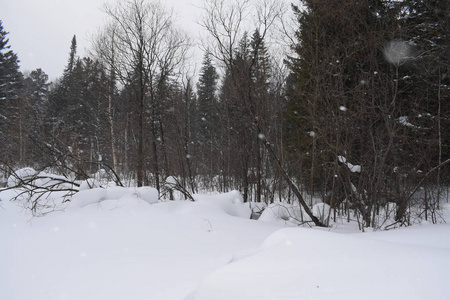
300 263
231 203
228 204
97 195
286 214
20 175
29 176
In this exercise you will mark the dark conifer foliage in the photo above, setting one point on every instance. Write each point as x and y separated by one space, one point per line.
77 111
207 117
10 98
353 96
10 76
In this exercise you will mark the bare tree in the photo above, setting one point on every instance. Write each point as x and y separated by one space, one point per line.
143 49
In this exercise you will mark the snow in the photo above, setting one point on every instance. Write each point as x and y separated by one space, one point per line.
353 168
21 174
122 243
89 184
405 122
116 195
311 264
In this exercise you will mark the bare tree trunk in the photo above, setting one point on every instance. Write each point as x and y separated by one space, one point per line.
440 143
155 152
110 109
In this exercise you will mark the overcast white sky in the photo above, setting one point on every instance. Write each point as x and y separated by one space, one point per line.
41 30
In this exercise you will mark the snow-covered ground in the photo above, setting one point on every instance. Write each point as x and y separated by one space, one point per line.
119 244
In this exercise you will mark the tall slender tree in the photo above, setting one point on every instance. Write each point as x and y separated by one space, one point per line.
10 86
207 116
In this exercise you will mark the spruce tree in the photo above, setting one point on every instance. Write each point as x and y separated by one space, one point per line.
38 89
425 79
423 82
341 90
207 116
10 86
10 76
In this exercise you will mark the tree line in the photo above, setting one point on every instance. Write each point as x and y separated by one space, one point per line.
356 114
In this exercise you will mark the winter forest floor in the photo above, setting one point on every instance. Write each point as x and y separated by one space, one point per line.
114 244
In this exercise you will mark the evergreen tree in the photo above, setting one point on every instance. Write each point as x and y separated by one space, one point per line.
10 91
424 79
37 86
207 126
72 56
341 92
36 91
64 93
10 76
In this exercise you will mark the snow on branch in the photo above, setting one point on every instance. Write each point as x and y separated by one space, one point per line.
353 168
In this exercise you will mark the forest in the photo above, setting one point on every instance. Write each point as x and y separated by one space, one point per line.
355 113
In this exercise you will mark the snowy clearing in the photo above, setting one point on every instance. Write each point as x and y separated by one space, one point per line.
119 243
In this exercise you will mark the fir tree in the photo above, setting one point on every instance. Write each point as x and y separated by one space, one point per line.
38 90
208 129
341 89
207 102
10 76
10 106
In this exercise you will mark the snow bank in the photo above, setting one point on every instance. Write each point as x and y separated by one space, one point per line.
110 244
310 264
19 175
97 195
226 204
231 203
283 213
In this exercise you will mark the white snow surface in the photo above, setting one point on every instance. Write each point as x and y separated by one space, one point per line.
21 174
353 168
116 243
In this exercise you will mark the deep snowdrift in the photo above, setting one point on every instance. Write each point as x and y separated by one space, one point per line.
311 264
120 243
